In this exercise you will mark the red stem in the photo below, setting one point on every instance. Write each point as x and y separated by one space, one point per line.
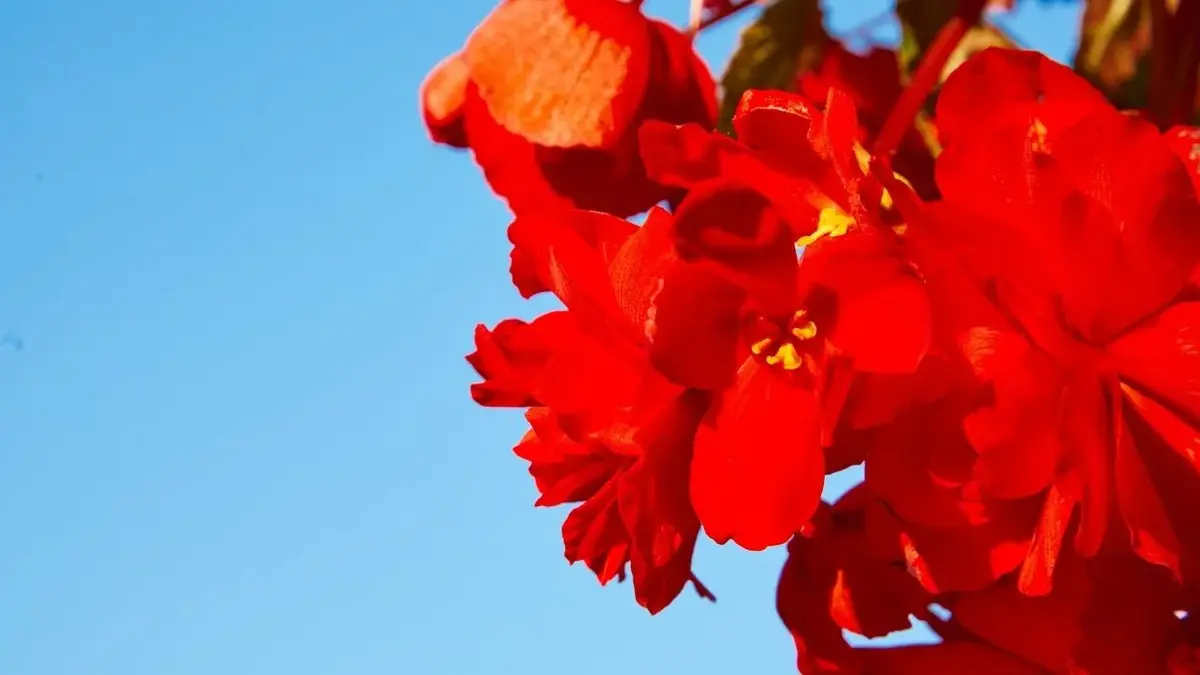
926 77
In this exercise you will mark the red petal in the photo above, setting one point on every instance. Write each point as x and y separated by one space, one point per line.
512 358
681 89
569 252
562 73
682 156
963 558
654 504
741 231
696 327
1140 255
1041 630
758 469
509 163
884 320
443 98
1000 88
1162 357
594 534
1149 525
779 123
564 470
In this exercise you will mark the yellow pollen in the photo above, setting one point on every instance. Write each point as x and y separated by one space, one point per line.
787 356
760 346
833 222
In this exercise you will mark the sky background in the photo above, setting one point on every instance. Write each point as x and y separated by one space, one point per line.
238 440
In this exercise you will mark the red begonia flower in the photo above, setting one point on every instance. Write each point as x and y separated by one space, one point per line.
548 95
611 433
776 338
1080 225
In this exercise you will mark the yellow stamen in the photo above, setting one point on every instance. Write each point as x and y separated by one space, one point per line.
833 222
807 331
787 356
760 346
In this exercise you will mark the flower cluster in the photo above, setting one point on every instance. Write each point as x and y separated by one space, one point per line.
1006 338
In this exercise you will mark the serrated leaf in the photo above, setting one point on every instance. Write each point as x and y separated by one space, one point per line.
784 42
1114 45
976 40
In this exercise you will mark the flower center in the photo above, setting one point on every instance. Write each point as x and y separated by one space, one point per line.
785 346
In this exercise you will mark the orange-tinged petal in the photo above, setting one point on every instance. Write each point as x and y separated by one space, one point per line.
443 99
758 468
562 73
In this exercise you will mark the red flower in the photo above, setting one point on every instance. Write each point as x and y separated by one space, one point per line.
548 95
775 338
1080 224
612 433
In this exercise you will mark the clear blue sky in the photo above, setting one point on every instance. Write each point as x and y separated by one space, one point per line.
238 440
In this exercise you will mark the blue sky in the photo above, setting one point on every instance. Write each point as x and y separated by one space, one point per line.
238 439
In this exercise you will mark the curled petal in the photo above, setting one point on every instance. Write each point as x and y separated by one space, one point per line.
565 470
512 358
443 100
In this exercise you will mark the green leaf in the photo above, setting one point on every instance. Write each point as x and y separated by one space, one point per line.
783 43
1114 46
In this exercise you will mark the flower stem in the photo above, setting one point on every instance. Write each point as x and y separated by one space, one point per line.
926 76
